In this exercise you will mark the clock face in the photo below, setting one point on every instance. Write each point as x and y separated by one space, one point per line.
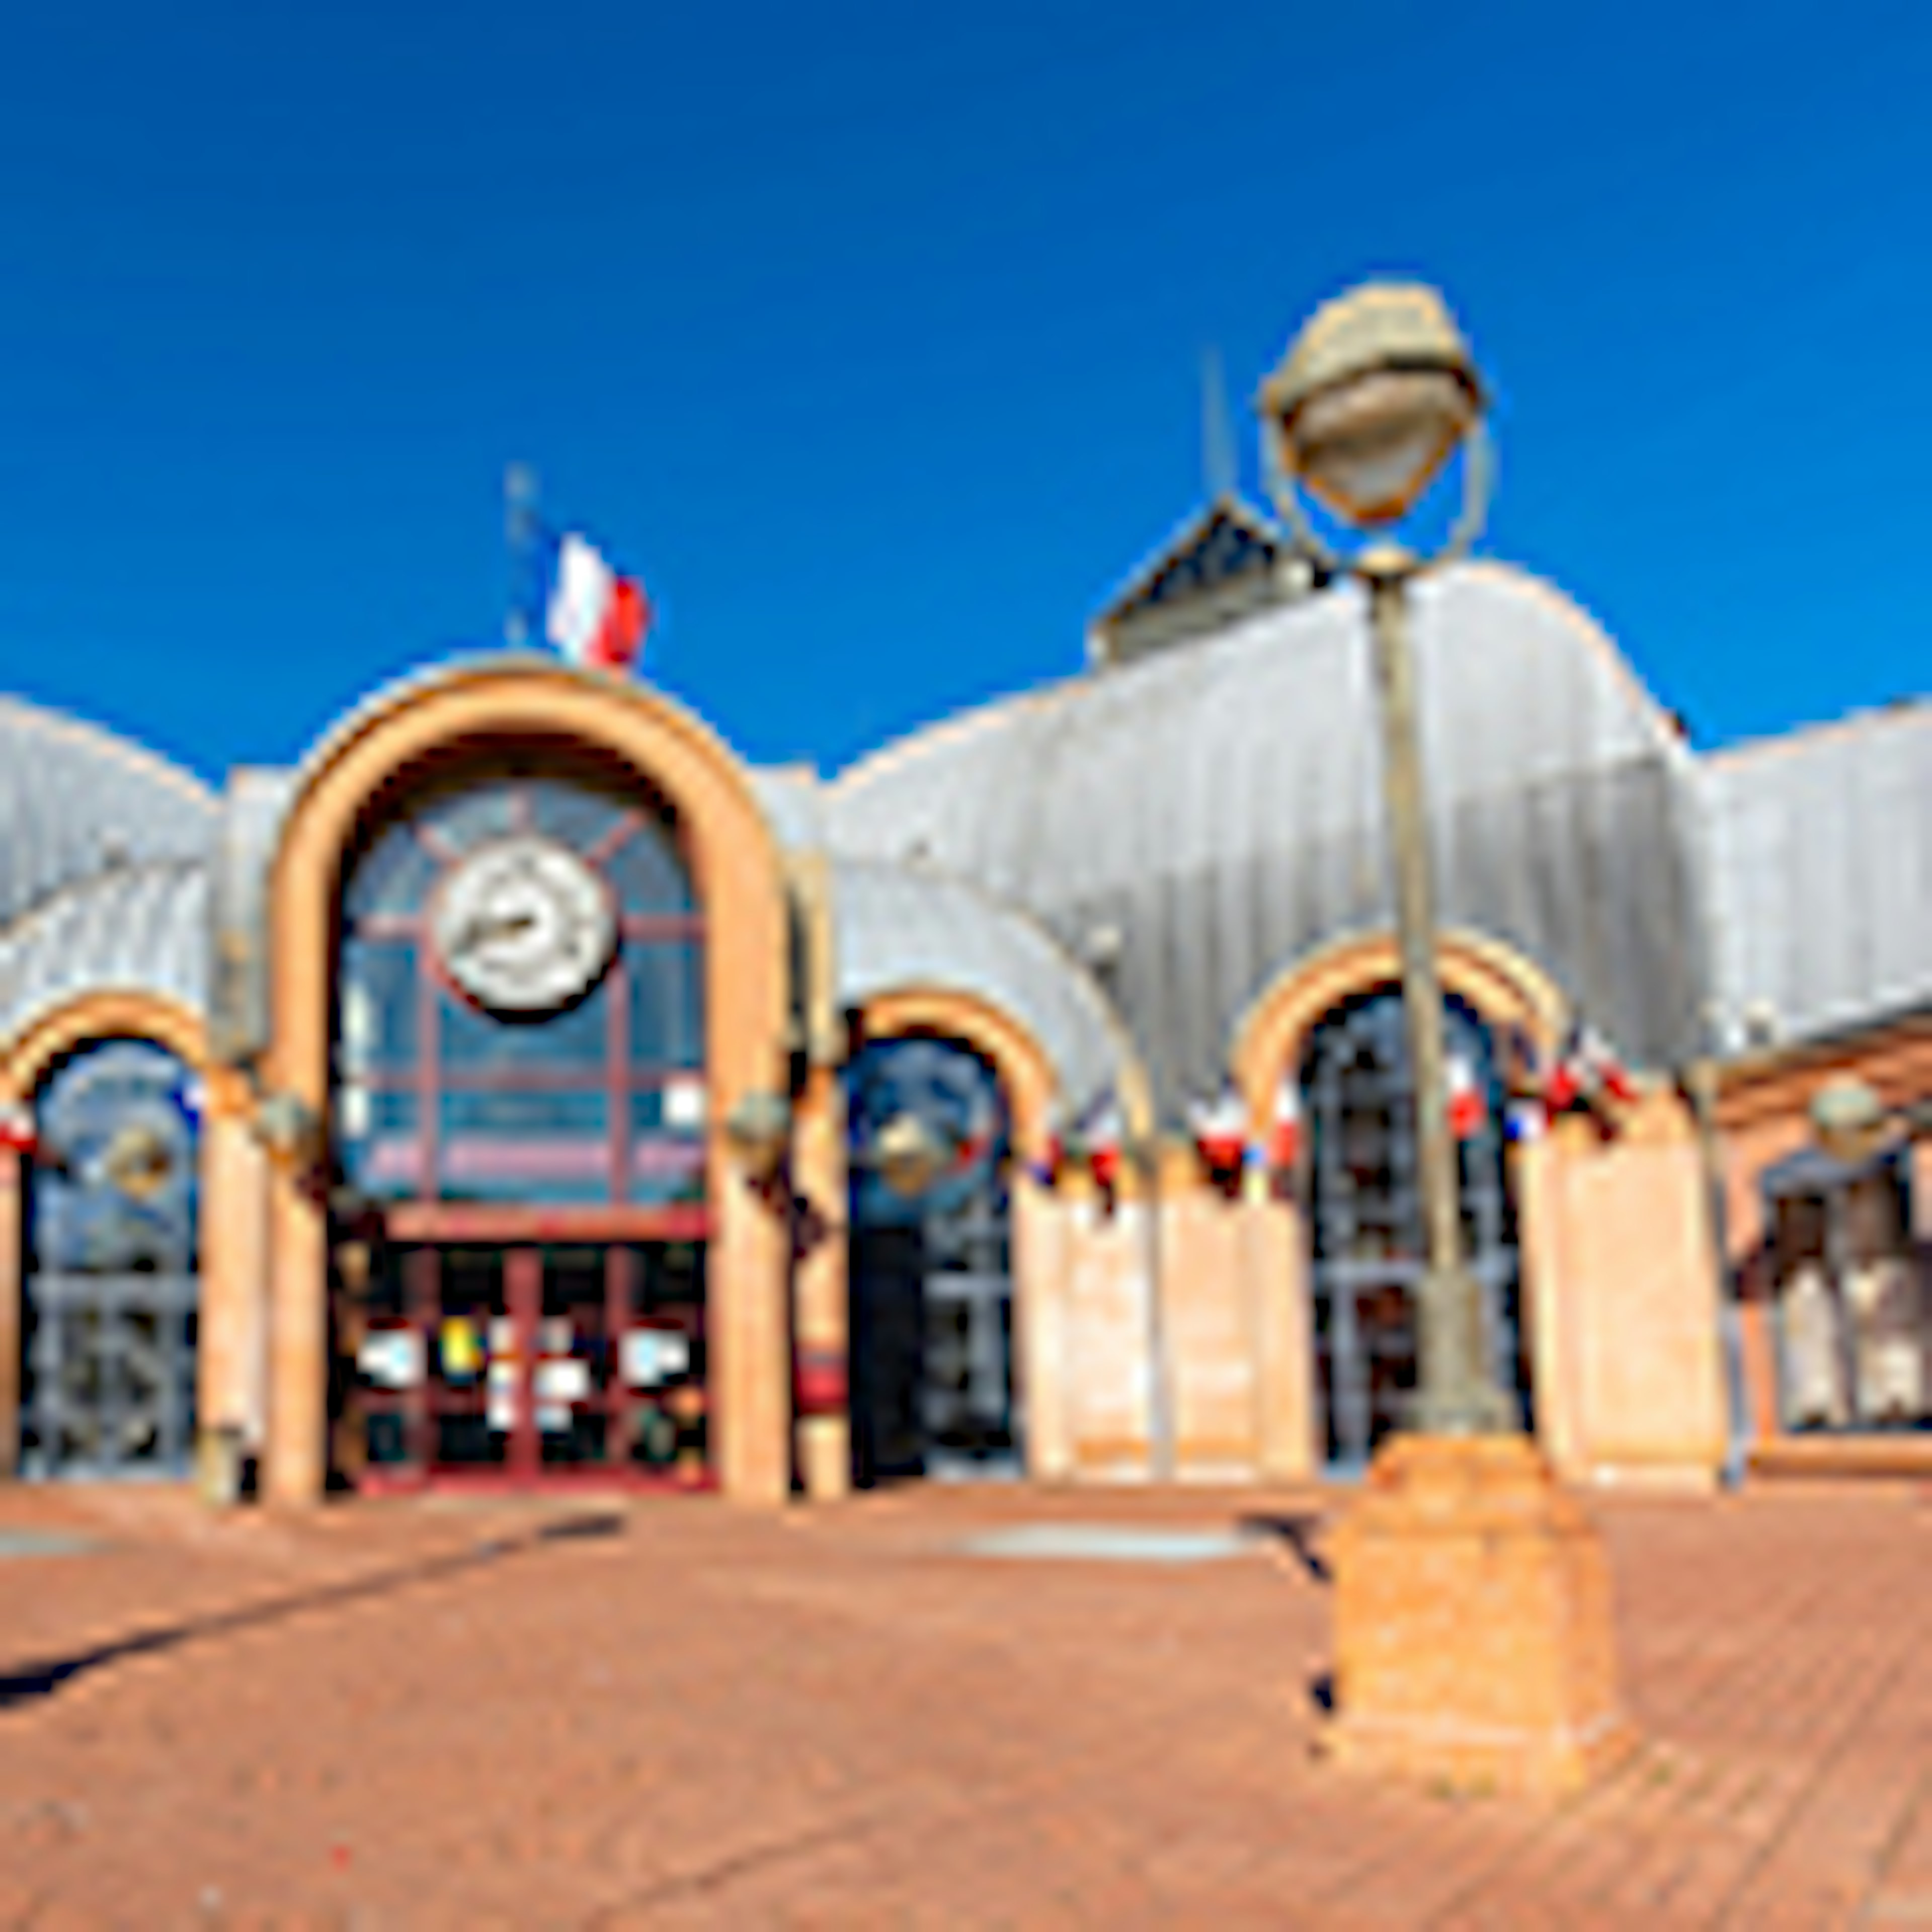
523 925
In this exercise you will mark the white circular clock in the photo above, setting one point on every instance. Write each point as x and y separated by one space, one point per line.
523 925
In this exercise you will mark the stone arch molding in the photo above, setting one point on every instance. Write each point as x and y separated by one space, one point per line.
734 859
1506 988
108 1013
1008 1046
738 876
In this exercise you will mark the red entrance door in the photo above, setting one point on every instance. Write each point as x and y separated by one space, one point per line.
517 1365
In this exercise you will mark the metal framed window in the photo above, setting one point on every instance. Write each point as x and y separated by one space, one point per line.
1366 1225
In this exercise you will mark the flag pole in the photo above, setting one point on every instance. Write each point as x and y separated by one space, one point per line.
519 498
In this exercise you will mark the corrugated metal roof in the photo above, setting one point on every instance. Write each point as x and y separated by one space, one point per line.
74 798
1820 856
1219 807
790 798
899 929
132 929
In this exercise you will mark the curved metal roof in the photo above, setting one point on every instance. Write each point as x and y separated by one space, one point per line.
899 929
131 928
1820 852
74 798
1218 808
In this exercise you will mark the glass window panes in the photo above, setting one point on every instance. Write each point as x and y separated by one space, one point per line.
375 1015
476 1042
393 876
647 872
528 1108
114 1185
666 979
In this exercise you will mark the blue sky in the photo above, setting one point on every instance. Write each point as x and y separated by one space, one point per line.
872 335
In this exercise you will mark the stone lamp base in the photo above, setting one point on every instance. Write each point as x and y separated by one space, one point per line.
1474 1641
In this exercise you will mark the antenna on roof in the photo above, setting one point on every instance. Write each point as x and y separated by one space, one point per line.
520 512
1217 448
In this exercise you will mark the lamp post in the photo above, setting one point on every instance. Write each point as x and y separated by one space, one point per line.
1474 1638
1374 396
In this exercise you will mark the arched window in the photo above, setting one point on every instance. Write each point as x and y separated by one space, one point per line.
1366 1218
111 1302
520 1003
933 1390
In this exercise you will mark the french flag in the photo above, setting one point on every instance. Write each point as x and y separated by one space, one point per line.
594 617
1221 1129
1284 1140
1468 1107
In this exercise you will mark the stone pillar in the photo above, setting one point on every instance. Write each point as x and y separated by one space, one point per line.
297 1466
1637 1304
1537 1182
1040 1318
1207 1323
1274 1263
234 1263
12 1255
822 1306
1108 1295
747 1321
1474 1644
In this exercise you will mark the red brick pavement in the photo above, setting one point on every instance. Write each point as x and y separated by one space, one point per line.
432 1714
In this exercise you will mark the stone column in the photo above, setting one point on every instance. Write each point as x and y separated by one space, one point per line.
1274 1265
747 1320
1040 1315
234 1262
298 1343
820 1313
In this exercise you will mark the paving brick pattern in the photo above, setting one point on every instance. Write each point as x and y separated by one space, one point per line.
671 1714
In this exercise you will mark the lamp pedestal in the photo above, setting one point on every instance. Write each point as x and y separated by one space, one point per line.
1474 1641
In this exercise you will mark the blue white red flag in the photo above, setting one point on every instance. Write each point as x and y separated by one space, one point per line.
592 615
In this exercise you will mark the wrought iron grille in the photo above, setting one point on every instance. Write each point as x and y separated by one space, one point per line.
1366 1219
933 1390
111 1296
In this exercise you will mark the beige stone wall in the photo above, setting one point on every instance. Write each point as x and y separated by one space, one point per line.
1105 1316
1631 1386
1209 1307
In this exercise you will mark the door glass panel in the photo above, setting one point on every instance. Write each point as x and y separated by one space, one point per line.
665 1425
478 1365
574 1358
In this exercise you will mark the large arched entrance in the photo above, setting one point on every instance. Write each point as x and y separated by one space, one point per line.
111 1296
1366 1221
933 1390
518 1246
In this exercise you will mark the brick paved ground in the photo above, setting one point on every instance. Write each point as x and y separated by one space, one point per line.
675 1714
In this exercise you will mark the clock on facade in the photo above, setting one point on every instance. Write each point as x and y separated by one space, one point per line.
523 925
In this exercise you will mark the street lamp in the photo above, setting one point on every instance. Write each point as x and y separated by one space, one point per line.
1474 1638
1375 395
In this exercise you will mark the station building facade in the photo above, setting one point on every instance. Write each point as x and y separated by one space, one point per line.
389 1119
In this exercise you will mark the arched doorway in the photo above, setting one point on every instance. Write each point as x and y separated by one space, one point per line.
111 1295
934 1391
1366 1221
517 1253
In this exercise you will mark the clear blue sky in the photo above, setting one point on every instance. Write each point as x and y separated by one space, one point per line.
872 335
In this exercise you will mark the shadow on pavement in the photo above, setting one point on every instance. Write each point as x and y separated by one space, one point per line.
42 1680
1297 1533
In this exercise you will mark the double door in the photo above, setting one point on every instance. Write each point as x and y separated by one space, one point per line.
520 1365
